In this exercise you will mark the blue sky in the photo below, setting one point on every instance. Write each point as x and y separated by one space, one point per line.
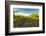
28 11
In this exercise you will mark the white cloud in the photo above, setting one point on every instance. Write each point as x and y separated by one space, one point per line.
20 13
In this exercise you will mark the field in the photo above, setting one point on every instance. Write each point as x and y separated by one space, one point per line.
26 21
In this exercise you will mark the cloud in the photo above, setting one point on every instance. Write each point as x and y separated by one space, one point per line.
23 14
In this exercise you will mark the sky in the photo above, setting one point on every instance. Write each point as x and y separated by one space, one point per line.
25 11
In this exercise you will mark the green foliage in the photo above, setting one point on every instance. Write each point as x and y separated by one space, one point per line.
26 21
